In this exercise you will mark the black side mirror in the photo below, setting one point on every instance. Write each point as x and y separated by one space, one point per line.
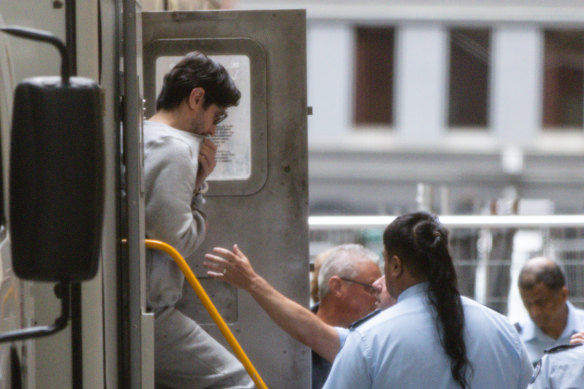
56 173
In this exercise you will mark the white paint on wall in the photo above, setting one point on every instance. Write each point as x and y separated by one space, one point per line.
420 82
330 78
516 83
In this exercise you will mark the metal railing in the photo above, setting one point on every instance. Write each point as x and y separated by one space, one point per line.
451 221
488 251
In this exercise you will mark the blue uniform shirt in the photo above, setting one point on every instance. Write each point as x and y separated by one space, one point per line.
536 341
400 348
561 367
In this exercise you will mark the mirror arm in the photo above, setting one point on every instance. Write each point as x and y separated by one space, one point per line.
40 331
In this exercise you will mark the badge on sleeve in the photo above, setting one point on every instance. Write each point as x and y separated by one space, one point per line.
536 371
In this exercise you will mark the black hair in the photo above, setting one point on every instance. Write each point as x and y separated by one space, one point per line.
197 70
550 274
421 242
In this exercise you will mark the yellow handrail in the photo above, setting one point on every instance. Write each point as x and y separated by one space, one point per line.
210 307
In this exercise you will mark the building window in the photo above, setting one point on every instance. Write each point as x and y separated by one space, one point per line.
468 93
374 76
563 102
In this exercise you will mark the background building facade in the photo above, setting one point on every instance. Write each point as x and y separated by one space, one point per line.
458 107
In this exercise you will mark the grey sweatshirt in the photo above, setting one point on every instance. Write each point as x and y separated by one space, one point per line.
173 209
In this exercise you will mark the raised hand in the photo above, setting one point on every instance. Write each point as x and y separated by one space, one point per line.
231 266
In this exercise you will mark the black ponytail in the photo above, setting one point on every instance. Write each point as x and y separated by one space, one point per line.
421 242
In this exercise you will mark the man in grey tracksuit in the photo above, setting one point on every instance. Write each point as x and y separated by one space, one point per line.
177 159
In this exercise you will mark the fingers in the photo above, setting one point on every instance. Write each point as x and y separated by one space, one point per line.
207 143
207 152
216 259
215 268
206 160
217 264
236 250
206 165
224 252
222 269
239 255
577 338
214 274
235 256
230 266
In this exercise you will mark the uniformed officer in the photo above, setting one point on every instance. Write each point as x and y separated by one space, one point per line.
561 367
432 337
552 318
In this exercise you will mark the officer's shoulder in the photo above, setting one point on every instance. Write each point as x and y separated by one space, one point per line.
364 319
563 347
549 355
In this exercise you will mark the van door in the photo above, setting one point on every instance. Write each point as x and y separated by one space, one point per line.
258 196
12 309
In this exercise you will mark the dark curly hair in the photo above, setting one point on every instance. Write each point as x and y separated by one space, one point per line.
197 70
421 242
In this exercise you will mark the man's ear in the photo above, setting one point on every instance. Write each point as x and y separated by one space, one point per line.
335 285
394 266
564 292
196 98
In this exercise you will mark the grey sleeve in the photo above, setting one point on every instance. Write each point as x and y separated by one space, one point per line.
173 210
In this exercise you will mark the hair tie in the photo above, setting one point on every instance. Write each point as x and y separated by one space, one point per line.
437 237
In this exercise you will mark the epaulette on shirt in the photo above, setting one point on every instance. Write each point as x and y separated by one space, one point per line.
518 328
553 350
562 347
357 323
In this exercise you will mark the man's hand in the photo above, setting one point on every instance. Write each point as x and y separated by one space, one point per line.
231 266
578 337
207 162
296 320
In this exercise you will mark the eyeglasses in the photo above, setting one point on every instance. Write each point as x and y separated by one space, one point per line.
219 118
368 287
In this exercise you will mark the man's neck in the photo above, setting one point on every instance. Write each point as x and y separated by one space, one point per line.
405 282
329 312
170 118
